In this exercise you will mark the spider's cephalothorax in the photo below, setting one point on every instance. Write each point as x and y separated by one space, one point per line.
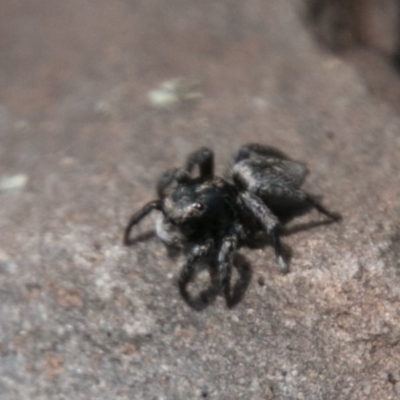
213 216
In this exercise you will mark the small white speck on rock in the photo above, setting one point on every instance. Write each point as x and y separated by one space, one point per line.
235 318
14 182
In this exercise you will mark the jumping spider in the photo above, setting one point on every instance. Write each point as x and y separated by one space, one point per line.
213 216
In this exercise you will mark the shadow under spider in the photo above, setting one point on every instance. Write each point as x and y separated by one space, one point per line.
233 293
261 239
305 226
142 237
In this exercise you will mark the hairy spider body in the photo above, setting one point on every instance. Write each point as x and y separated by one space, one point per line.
212 216
197 210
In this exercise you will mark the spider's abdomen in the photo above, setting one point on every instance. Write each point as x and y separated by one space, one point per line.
272 179
260 173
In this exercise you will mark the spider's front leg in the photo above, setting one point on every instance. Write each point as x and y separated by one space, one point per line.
171 177
225 259
204 158
198 251
138 216
269 222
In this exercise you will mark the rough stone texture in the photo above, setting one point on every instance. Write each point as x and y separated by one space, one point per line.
83 317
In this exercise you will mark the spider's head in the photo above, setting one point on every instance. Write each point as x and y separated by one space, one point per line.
199 207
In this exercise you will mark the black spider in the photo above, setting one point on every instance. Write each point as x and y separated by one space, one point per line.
213 216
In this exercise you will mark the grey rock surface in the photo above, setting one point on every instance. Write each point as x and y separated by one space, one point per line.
83 317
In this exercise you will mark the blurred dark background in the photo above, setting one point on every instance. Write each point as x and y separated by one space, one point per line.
365 32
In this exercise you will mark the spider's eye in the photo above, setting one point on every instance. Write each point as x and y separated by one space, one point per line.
198 206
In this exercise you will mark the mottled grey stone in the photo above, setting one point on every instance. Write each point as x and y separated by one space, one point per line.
83 317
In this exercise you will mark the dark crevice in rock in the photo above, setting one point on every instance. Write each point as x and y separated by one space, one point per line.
365 33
